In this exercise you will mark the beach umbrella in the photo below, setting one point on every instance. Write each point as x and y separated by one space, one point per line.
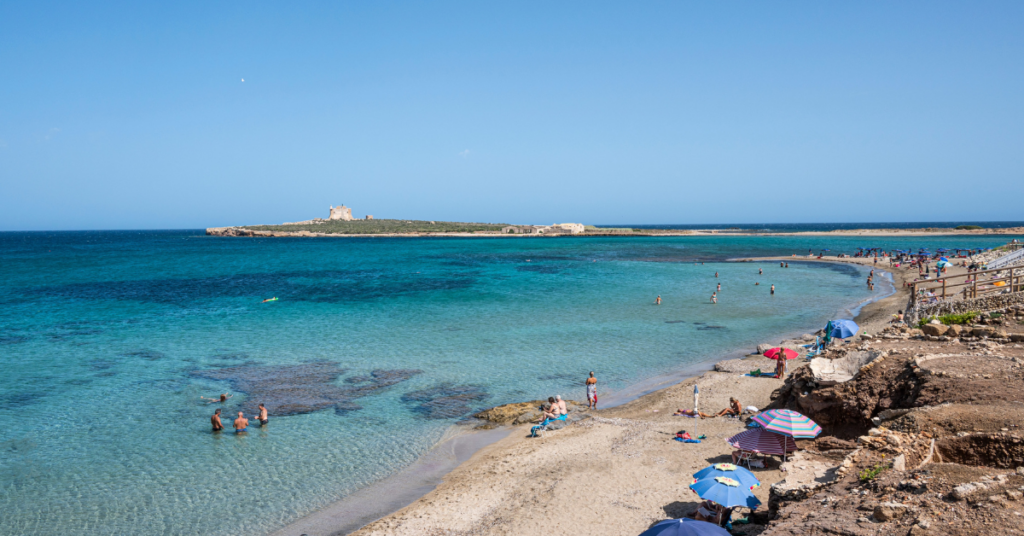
842 329
776 353
788 422
726 492
684 527
743 476
762 441
944 259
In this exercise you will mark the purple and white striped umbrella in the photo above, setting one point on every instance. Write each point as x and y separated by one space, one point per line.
788 422
762 441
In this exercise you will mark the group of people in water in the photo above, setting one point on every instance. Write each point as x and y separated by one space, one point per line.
714 295
241 424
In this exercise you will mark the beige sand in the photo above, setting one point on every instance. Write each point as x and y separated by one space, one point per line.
615 474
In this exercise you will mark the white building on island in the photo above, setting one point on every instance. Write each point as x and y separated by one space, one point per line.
341 213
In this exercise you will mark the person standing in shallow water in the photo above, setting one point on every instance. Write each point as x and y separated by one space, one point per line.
773 290
719 288
716 275
241 423
591 391
215 421
657 301
714 297
262 417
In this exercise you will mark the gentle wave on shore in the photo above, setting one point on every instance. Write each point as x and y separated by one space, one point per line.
374 349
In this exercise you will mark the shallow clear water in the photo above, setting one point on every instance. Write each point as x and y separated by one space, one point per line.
108 339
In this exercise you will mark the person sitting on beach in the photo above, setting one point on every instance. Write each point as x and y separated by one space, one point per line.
555 408
547 413
241 423
215 421
223 398
709 511
734 408
690 413
262 417
561 405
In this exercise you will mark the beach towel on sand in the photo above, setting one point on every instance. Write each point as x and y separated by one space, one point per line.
687 440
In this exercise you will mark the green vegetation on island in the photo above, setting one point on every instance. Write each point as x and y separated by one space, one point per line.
968 227
381 226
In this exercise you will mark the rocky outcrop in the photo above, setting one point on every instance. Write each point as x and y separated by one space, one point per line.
832 371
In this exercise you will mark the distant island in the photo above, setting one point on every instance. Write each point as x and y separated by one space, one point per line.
340 222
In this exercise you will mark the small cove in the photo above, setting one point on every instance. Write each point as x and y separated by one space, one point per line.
109 344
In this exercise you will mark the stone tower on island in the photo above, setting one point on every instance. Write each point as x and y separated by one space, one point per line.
341 213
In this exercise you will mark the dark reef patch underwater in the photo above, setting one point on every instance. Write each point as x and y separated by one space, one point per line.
305 388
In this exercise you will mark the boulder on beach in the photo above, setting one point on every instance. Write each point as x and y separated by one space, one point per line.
832 371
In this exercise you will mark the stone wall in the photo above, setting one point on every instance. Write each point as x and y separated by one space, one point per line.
983 304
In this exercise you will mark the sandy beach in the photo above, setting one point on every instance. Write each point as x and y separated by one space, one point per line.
616 472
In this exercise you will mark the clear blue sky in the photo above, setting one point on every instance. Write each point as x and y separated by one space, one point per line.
129 115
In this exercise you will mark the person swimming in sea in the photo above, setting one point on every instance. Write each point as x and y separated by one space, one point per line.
223 398
241 423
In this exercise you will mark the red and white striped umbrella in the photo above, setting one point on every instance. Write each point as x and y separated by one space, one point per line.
762 441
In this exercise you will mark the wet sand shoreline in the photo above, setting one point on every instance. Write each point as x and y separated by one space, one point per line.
408 490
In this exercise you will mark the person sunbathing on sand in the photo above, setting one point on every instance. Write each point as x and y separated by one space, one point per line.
691 413
733 409
561 405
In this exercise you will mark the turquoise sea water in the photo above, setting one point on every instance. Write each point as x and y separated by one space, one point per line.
375 348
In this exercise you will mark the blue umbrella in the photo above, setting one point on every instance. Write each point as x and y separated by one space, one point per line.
685 527
744 476
726 492
842 329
